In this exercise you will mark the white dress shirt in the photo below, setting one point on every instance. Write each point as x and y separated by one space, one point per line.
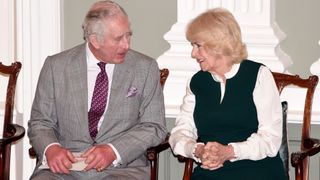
93 70
265 142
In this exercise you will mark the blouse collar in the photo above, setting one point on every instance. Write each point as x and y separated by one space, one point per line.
228 75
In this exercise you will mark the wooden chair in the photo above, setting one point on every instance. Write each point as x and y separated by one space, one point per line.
11 132
153 152
153 155
284 148
309 146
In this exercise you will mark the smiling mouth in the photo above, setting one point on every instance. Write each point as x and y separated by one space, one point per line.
200 60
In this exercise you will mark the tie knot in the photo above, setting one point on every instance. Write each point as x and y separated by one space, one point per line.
102 65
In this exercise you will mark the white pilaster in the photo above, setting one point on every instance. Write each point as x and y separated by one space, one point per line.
6 48
315 70
38 35
315 67
259 31
7 31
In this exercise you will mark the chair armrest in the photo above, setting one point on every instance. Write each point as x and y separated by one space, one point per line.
182 158
298 157
311 142
32 153
153 152
14 133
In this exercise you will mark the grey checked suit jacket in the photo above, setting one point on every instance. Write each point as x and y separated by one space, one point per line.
131 124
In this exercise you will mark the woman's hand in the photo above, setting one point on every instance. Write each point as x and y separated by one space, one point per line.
199 151
215 154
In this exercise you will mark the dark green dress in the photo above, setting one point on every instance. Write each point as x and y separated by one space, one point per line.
232 120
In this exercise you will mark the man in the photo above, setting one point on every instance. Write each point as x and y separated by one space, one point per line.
101 100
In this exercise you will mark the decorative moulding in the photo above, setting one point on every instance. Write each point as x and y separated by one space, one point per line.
260 33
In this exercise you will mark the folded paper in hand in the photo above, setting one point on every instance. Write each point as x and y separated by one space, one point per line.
77 166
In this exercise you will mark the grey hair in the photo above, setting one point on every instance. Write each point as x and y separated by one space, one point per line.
96 18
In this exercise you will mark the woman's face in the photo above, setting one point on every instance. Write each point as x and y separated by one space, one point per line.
208 61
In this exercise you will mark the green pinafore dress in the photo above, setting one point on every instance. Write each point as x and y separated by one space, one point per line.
233 119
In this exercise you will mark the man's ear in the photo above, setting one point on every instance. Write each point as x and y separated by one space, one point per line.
94 41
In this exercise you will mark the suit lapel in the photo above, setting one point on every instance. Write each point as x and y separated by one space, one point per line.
79 87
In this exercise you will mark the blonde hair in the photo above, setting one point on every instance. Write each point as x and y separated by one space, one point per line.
220 32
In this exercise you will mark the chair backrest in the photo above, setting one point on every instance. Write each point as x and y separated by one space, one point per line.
11 132
11 72
153 152
164 73
310 83
284 148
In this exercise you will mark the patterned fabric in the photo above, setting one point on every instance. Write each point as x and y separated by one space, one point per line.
99 100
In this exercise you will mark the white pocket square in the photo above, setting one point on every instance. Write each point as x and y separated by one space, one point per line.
132 92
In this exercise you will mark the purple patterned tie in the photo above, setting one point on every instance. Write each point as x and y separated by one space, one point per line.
99 100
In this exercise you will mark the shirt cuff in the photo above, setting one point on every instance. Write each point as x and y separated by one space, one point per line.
236 150
44 158
117 161
197 159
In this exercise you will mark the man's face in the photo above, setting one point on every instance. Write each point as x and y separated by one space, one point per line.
116 41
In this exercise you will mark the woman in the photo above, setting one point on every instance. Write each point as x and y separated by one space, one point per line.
230 120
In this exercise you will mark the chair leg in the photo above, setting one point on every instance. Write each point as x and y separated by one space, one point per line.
188 169
154 168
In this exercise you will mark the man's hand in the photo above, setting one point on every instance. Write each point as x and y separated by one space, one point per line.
59 159
99 157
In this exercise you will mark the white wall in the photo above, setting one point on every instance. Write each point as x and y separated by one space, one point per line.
300 21
151 19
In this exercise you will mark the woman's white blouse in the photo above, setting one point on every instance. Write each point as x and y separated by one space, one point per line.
265 142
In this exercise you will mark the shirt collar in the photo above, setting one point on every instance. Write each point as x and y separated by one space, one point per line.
228 75
91 59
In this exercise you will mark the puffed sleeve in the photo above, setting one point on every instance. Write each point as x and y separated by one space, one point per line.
267 140
184 135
